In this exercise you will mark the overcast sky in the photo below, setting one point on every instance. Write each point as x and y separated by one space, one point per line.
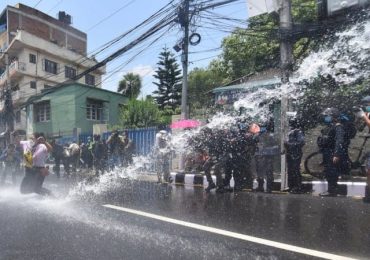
107 19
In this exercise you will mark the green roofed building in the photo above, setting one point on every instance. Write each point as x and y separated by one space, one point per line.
63 110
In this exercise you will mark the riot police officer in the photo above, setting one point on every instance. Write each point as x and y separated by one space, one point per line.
293 148
334 146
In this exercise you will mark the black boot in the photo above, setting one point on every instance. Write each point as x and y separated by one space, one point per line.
210 187
366 199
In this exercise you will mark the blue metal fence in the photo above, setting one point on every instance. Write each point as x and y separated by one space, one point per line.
143 139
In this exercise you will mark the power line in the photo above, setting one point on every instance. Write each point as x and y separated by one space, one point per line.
156 28
37 3
110 15
58 3
165 9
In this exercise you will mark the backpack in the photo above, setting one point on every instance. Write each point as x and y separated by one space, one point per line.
350 129
349 126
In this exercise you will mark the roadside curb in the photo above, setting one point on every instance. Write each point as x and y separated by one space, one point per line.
350 189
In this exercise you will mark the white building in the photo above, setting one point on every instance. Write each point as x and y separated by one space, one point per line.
42 52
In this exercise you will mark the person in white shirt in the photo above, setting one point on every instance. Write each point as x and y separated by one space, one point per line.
35 153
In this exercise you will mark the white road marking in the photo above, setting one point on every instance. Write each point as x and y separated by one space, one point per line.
291 248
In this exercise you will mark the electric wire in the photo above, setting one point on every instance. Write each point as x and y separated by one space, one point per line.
110 15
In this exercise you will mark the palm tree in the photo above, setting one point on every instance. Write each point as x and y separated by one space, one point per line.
130 86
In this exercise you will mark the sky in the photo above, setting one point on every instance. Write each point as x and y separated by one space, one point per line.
107 19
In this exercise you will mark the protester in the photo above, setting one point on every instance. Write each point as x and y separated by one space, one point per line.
116 147
57 154
293 148
74 156
334 144
35 154
128 149
99 153
162 153
11 159
267 149
88 156
365 116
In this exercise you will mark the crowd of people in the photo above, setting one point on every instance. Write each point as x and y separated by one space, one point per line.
97 156
226 153
229 152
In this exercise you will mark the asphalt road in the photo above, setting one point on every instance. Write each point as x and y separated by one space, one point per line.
142 220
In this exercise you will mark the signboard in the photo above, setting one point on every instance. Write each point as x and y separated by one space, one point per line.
258 7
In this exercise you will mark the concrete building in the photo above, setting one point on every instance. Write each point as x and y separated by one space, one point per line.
42 52
58 111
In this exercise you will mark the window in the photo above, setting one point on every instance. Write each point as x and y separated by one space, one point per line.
42 110
90 80
33 84
70 72
32 58
50 66
18 116
94 110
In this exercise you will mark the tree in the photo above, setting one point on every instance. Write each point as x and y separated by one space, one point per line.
169 80
142 113
256 49
130 86
245 52
201 82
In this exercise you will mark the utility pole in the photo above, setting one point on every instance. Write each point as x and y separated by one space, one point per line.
184 60
286 59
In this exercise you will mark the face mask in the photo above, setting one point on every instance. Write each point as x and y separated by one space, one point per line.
327 119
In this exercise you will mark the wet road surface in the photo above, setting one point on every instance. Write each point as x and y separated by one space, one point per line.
80 227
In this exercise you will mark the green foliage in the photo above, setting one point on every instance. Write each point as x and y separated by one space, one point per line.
168 76
245 52
130 86
257 48
201 83
142 113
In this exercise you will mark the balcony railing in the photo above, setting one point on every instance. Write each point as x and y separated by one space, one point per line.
14 67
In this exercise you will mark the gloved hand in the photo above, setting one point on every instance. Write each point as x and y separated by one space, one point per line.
359 113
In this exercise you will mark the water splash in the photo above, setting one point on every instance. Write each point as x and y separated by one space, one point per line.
345 59
113 179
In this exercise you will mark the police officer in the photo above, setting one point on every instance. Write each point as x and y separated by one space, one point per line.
216 144
243 148
293 147
364 114
267 149
334 146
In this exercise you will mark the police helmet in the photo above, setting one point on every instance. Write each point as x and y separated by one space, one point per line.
365 100
331 111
